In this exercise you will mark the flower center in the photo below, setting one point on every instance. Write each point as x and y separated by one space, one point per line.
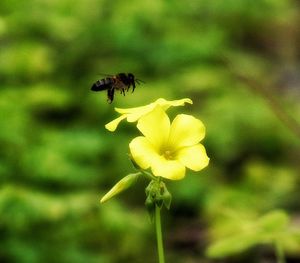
169 155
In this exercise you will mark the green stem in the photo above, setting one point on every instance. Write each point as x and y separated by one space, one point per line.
279 252
148 175
160 247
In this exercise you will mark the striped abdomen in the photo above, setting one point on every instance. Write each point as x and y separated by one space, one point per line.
103 84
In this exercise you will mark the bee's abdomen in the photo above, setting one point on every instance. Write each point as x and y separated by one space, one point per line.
102 84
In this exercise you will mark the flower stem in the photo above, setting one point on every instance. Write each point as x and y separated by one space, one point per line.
279 252
148 175
160 247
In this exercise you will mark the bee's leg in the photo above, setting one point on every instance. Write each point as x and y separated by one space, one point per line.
133 87
110 95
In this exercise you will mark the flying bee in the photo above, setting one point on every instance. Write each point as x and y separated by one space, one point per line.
120 81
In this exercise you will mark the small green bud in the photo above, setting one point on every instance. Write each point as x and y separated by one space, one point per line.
150 206
167 198
148 188
158 193
120 186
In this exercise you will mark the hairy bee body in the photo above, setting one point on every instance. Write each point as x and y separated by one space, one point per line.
120 81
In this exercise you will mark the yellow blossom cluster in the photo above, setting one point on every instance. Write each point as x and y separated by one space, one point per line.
166 147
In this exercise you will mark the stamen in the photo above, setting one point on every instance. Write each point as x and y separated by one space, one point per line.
168 155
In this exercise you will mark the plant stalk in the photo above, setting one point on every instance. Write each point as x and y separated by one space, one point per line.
279 253
160 248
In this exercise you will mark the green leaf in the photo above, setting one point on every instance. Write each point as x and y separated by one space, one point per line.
266 229
231 245
274 221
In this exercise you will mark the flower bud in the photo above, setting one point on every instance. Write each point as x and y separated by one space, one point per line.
167 198
120 186
158 193
150 206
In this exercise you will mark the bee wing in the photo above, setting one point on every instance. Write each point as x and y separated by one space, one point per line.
118 83
106 75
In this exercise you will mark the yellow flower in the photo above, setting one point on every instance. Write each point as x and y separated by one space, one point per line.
169 148
134 114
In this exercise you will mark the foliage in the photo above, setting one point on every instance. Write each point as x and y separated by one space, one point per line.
56 158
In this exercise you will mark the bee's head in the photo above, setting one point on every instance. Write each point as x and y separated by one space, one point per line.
133 80
131 77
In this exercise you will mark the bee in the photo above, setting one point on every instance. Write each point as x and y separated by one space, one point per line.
120 81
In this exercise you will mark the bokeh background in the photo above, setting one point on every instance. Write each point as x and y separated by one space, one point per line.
238 60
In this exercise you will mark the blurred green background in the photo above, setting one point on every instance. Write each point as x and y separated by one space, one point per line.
238 60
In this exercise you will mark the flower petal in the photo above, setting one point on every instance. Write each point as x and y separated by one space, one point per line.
112 126
169 169
132 110
155 126
142 152
185 130
193 157
165 104
135 116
